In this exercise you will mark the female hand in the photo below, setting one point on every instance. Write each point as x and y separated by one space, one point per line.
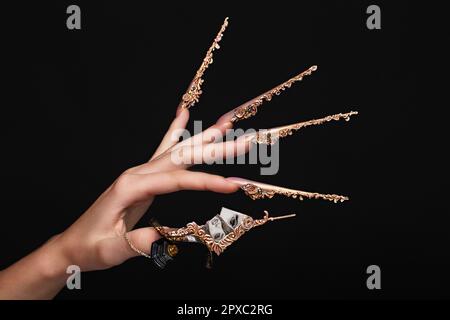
96 240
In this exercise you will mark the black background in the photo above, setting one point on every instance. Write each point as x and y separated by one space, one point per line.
82 106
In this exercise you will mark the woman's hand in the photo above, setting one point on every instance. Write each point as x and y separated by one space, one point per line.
96 240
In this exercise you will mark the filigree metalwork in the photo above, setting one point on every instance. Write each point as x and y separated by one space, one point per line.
256 192
271 136
194 230
194 90
251 108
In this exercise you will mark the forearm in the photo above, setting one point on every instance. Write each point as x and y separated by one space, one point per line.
39 275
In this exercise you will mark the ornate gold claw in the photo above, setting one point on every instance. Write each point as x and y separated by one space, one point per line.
251 108
271 136
258 192
194 91
192 229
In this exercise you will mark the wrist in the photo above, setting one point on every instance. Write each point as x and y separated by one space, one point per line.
52 260
40 275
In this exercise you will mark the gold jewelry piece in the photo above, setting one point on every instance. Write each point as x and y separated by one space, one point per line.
194 91
223 235
172 249
258 191
250 108
271 136
142 253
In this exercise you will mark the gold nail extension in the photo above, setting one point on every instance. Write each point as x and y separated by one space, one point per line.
256 191
250 108
197 233
194 90
271 136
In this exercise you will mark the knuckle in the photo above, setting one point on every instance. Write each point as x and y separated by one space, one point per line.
122 183
130 170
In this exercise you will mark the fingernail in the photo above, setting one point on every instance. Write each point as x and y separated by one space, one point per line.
226 118
249 136
237 180
228 125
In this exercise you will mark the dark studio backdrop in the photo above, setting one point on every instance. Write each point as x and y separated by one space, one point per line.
87 104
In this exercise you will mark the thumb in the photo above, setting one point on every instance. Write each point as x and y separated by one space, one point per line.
114 251
139 241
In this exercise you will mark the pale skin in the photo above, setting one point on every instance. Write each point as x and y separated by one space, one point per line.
96 240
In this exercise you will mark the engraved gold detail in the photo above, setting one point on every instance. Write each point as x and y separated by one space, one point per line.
194 91
256 193
192 229
172 250
250 109
271 136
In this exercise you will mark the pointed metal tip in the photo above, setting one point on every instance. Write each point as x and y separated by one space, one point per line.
283 217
